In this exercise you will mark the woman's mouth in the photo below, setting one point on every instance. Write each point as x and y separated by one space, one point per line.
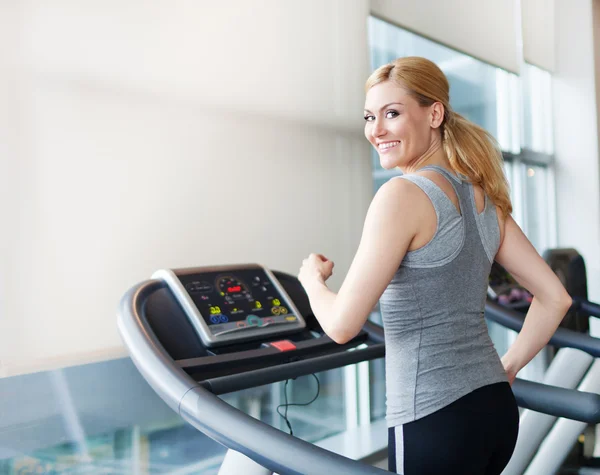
386 146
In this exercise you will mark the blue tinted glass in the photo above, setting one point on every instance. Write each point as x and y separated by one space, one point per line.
480 92
105 418
537 109
472 83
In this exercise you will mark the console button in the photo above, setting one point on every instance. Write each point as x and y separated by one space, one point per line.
254 320
283 345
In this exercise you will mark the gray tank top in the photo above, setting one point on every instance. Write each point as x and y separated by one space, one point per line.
437 344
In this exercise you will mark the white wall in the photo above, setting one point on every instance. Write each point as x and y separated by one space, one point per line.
168 135
576 136
484 29
9 28
141 135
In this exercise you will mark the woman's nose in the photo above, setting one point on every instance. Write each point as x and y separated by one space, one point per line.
378 130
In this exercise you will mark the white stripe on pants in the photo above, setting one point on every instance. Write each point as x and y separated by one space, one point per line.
399 436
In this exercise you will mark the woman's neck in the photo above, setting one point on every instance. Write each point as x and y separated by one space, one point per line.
435 155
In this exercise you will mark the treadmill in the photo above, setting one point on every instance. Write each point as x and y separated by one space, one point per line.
201 332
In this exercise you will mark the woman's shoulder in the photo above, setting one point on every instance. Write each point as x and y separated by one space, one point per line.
401 195
403 204
399 190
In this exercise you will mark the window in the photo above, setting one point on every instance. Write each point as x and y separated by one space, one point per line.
517 111
537 110
322 418
536 205
85 420
478 91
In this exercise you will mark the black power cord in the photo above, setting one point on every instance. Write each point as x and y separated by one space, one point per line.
286 405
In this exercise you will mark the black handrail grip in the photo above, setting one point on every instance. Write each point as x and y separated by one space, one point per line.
559 402
562 338
591 308
273 374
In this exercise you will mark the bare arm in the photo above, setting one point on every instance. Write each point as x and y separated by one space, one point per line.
389 228
550 303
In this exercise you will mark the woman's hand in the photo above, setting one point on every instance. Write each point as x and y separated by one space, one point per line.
316 267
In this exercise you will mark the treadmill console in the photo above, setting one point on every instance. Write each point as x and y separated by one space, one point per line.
230 304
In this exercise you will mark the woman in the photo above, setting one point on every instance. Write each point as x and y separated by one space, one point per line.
429 239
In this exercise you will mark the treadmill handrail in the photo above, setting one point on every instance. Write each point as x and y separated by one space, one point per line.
591 308
273 374
563 337
266 445
560 402
147 353
211 415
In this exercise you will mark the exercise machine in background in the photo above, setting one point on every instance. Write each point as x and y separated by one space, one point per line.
548 444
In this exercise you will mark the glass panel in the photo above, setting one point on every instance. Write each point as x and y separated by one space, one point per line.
508 173
322 418
377 385
491 98
536 205
377 376
537 109
473 84
85 420
500 337
508 111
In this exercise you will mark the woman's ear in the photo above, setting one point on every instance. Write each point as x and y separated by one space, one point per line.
437 115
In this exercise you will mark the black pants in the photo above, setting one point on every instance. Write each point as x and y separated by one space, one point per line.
475 435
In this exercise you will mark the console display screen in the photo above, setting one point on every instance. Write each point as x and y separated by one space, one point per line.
235 300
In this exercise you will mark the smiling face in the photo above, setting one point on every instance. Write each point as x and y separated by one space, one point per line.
400 129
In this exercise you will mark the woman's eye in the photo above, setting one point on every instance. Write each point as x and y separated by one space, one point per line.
391 114
369 118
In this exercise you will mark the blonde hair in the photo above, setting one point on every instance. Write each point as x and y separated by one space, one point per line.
471 150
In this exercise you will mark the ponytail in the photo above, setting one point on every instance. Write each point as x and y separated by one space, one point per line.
475 153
